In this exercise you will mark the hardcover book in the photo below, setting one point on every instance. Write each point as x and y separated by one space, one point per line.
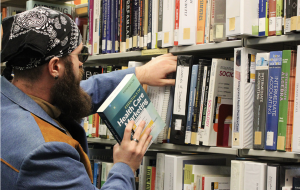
243 96
255 176
273 100
126 103
219 26
272 17
260 100
160 23
263 18
201 15
169 23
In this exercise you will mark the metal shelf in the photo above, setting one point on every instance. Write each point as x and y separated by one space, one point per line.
273 39
269 154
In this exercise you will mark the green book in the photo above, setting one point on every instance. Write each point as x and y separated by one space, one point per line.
284 96
148 177
129 102
279 17
90 125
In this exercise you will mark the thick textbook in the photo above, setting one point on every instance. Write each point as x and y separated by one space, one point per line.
130 102
181 97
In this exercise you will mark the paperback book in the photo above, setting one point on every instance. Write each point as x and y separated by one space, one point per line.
130 102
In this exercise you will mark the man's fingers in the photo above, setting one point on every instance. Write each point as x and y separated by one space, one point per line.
147 144
127 132
143 140
139 130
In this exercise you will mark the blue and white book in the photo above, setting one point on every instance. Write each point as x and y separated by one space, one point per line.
113 25
104 30
263 20
130 102
188 130
108 27
275 64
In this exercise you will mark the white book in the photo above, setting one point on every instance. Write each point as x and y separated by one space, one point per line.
242 17
160 171
168 23
237 174
96 26
154 23
243 97
134 64
143 171
201 131
187 22
221 85
195 170
271 177
106 167
255 176
207 22
296 130
223 181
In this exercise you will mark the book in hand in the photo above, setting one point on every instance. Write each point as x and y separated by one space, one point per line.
130 102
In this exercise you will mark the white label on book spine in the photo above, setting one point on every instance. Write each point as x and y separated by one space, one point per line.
278 23
182 74
149 39
130 43
287 24
102 129
103 45
262 24
145 40
141 42
271 178
109 44
176 35
178 124
188 135
159 36
272 24
270 137
252 69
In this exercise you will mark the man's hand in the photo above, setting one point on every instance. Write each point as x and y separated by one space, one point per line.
155 72
131 152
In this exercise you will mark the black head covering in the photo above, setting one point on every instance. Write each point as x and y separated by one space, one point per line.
33 37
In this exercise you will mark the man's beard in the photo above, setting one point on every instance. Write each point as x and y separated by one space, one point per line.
69 97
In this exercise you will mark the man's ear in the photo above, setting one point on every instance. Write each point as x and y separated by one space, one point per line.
56 67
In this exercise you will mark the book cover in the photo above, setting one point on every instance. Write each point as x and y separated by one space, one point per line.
198 98
187 22
279 17
272 18
188 130
201 15
296 130
160 23
284 98
260 100
263 18
181 97
202 116
290 113
275 64
169 23
130 102
219 25
221 85
243 96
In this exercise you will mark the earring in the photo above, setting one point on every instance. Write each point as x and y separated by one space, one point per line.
56 77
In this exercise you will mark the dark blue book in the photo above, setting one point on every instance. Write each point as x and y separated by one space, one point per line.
128 25
273 100
104 12
113 24
263 26
149 36
108 27
117 28
135 24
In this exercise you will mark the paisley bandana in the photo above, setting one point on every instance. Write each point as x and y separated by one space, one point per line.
33 37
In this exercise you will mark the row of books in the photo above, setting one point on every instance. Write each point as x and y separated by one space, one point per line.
100 170
125 25
212 172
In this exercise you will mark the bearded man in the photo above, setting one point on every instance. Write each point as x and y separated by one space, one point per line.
43 145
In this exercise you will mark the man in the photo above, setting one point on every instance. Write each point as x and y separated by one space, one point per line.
42 144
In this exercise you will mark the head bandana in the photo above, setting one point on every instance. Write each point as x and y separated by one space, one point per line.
33 37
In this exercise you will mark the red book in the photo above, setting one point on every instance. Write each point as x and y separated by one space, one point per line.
272 17
153 174
176 28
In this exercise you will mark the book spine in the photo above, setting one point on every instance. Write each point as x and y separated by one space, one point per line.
154 24
104 41
176 26
135 24
298 16
273 101
148 178
195 118
272 17
149 35
113 24
294 15
263 11
153 178
145 16
108 28
219 24
129 25
260 107
296 130
160 23
188 130
288 15
290 113
117 28
212 20
111 128
141 25
91 22
279 17
203 116
123 33
95 174
284 96
181 98
207 22
201 15
96 27
100 26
